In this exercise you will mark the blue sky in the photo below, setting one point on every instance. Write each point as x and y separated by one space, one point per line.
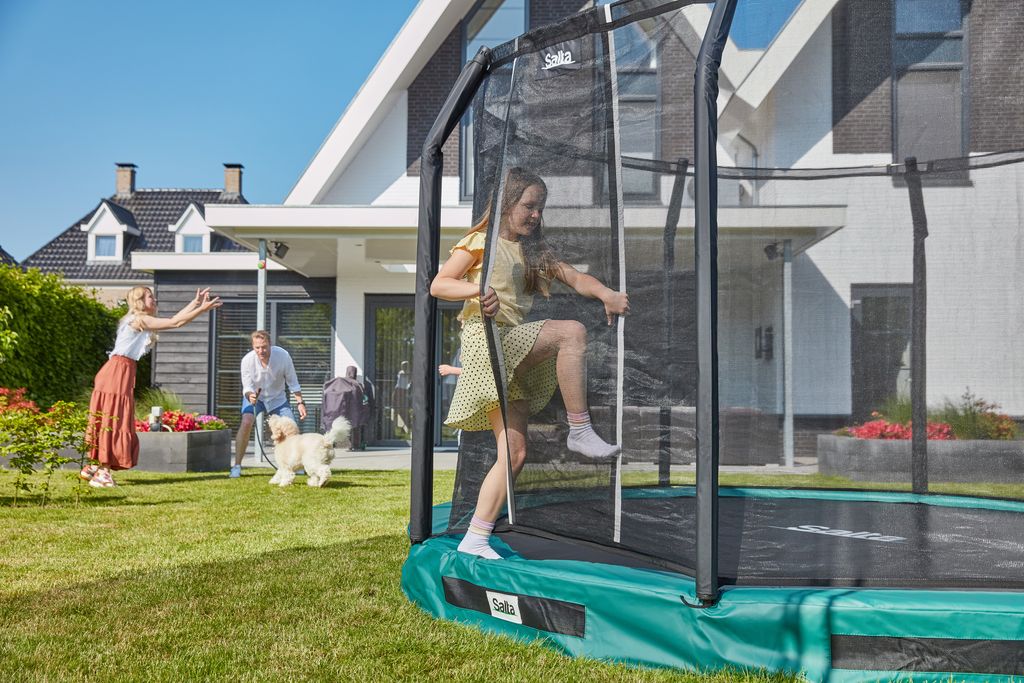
180 88
176 88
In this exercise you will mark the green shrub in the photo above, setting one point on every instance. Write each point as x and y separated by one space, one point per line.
148 397
34 442
970 417
61 335
975 418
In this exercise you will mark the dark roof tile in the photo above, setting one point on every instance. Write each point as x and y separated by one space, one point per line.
151 211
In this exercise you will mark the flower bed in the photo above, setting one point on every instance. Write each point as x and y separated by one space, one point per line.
179 421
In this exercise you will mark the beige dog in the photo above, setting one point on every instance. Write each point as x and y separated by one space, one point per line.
310 452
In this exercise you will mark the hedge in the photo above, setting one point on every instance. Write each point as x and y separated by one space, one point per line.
63 335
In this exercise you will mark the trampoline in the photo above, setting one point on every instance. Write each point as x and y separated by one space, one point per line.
805 269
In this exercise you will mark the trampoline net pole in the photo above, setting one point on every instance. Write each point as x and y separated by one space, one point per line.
919 322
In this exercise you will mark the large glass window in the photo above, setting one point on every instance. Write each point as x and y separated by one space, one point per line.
492 23
303 328
389 334
636 71
106 246
928 79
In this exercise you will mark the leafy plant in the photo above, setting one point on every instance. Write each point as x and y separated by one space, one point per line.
969 418
62 334
975 418
33 440
154 396
8 337
179 421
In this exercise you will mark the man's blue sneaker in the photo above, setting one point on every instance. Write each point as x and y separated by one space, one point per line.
236 471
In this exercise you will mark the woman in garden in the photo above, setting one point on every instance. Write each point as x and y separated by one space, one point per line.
111 435
539 355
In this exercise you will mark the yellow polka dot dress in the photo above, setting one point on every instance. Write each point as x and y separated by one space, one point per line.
476 393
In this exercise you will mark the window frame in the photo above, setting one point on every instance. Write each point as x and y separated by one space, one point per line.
185 240
962 66
97 256
466 182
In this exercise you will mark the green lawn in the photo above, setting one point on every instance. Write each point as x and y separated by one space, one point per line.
198 577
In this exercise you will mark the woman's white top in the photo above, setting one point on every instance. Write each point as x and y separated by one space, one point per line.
130 343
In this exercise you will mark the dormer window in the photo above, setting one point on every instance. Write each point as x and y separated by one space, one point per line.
108 229
191 234
192 244
106 246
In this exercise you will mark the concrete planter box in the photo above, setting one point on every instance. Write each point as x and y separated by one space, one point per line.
205 451
951 461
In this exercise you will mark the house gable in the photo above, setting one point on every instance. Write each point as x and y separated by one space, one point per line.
191 224
109 222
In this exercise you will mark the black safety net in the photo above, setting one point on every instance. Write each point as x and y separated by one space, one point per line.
870 260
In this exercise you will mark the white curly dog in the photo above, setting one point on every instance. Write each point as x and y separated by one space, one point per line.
310 452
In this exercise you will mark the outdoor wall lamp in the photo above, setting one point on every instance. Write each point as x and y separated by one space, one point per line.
279 249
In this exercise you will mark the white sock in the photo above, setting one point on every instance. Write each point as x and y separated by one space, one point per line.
585 441
477 539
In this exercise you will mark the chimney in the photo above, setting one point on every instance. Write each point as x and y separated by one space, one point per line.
125 180
233 179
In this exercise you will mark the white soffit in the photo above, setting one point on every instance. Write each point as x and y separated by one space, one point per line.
776 60
151 261
419 38
268 221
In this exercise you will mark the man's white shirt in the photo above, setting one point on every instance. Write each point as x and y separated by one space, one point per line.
272 379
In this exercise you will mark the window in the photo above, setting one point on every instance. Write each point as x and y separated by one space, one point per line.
192 244
106 246
928 79
492 23
636 71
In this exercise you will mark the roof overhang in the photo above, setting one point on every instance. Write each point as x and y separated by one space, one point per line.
152 261
334 241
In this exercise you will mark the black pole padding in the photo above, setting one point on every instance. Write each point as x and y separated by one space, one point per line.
669 265
705 127
424 373
918 334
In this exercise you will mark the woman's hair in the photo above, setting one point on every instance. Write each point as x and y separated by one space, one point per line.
541 264
137 308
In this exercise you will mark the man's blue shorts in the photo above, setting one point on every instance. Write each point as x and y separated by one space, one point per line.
283 409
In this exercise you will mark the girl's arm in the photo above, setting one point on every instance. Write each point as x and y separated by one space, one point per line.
615 303
450 284
195 308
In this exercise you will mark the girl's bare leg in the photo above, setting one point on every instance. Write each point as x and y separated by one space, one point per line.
493 489
566 340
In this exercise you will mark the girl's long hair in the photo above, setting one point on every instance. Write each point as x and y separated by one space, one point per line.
136 308
541 263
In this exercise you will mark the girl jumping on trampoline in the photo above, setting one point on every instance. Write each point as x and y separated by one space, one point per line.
539 355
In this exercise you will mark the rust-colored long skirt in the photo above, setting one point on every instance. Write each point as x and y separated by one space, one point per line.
112 434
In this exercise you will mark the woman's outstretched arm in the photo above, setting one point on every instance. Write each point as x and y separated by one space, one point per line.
615 303
195 308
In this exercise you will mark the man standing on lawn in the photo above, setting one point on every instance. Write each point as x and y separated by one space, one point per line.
266 372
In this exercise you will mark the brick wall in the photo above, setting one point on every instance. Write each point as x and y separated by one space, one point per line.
426 97
544 12
861 76
431 87
677 101
996 75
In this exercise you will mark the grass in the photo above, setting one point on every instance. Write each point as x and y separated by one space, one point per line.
198 577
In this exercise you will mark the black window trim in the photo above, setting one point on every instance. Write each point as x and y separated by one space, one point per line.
963 66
